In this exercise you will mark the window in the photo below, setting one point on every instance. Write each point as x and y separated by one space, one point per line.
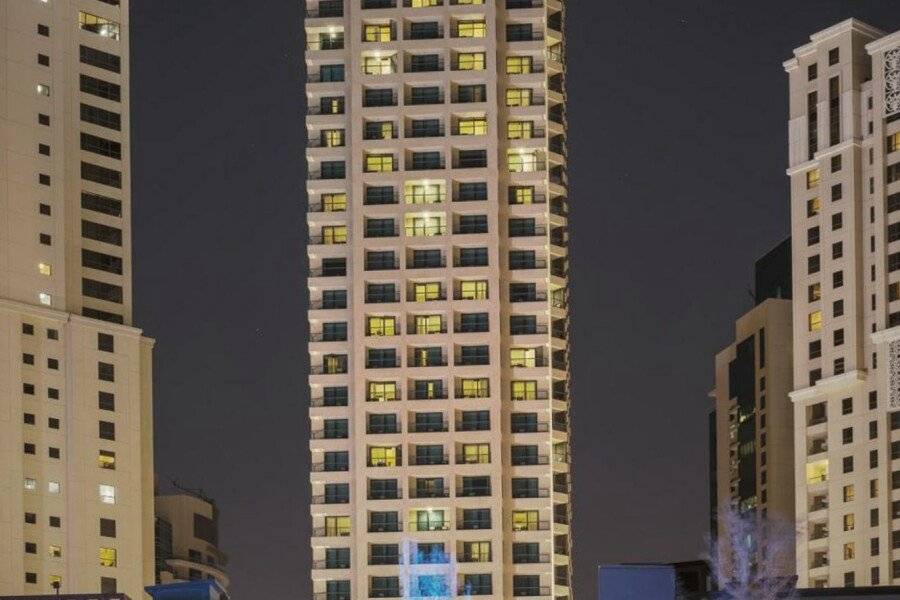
473 290
525 520
813 207
474 388
43 30
101 204
379 163
107 557
100 88
383 456
470 61
815 320
471 29
106 371
334 202
378 65
426 292
106 459
472 126
519 65
377 33
107 430
475 454
99 59
849 522
382 391
812 178
108 527
101 146
523 357
834 56
53 487
99 25
107 494
101 117
381 326
522 161
106 401
43 89
519 130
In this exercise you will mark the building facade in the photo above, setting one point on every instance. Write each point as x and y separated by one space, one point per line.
844 155
76 488
187 540
438 253
754 454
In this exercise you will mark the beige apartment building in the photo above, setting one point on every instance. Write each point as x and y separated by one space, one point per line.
754 420
438 254
844 154
76 487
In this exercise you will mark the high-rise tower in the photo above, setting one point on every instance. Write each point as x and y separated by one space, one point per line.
438 253
844 157
76 486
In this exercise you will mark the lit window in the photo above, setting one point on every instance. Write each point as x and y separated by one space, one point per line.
849 551
44 269
335 106
106 460
107 557
849 522
519 130
424 193
337 526
474 388
383 456
425 226
470 61
382 391
55 581
423 292
524 390
473 290
518 65
381 326
815 292
817 472
477 551
334 234
30 484
107 494
522 357
525 520
522 162
428 520
334 202
518 97
43 90
476 454
333 138
54 550
45 299
428 324
471 29
53 487
849 493
475 126
813 207
98 25
893 142
812 178
378 65
377 33
423 3
815 320
522 195
379 163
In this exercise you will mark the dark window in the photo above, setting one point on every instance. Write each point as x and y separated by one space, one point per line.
105 342
43 179
98 58
471 93
30 518
27 329
101 290
101 204
43 30
98 87
473 257
44 209
834 56
44 149
101 262
101 233
102 175
107 430
106 401
472 191
45 239
53 452
30 577
102 315
108 527
101 117
812 71
43 119
101 146
106 371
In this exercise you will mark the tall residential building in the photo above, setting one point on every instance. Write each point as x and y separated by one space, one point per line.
438 253
844 155
187 539
76 486
754 429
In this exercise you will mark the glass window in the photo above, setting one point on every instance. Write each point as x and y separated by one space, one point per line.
473 290
334 202
518 97
470 61
518 65
377 33
99 25
474 388
815 320
522 357
423 292
108 557
333 138
379 163
474 126
525 520
334 234
424 193
476 454
381 326
337 526
812 178
524 390
383 456
471 29
378 65
382 391
107 494
520 161
106 459
426 324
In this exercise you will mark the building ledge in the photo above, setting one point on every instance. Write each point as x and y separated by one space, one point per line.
885 336
824 386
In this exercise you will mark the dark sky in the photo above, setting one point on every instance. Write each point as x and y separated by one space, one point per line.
677 157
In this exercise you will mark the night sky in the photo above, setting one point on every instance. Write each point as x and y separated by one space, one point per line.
677 113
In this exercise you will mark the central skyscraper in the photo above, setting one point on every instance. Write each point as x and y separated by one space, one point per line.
438 284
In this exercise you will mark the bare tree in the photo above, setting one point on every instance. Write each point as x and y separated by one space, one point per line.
754 557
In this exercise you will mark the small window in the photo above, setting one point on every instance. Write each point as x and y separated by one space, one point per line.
106 401
53 452
105 342
43 60
106 371
52 423
834 56
107 430
108 527
43 30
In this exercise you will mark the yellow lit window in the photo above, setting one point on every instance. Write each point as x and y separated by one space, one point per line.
428 520
378 65
381 326
477 551
333 138
377 33
334 234
379 163
518 97
524 390
473 290
107 557
106 460
382 391
849 493
423 292
849 551
337 526
44 269
383 456
55 580
419 226
386 131
849 522
476 126
893 142
525 520
476 454
334 106
815 292
98 25
423 3
522 195
424 193
813 207
817 472
522 162
334 202
54 550
519 130
812 178
474 388
334 364
470 61
522 357
428 324
518 65
471 29
815 320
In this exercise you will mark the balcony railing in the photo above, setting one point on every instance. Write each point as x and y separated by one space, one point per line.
331 564
425 132
441 427
383 429
438 395
323 370
331 532
532 231
533 526
531 493
396 494
530 427
424 66
524 3
386 363
325 44
334 8
473 492
429 460
321 467
323 434
536 296
330 499
537 263
428 494
529 460
383 298
366 4
531 592
385 527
